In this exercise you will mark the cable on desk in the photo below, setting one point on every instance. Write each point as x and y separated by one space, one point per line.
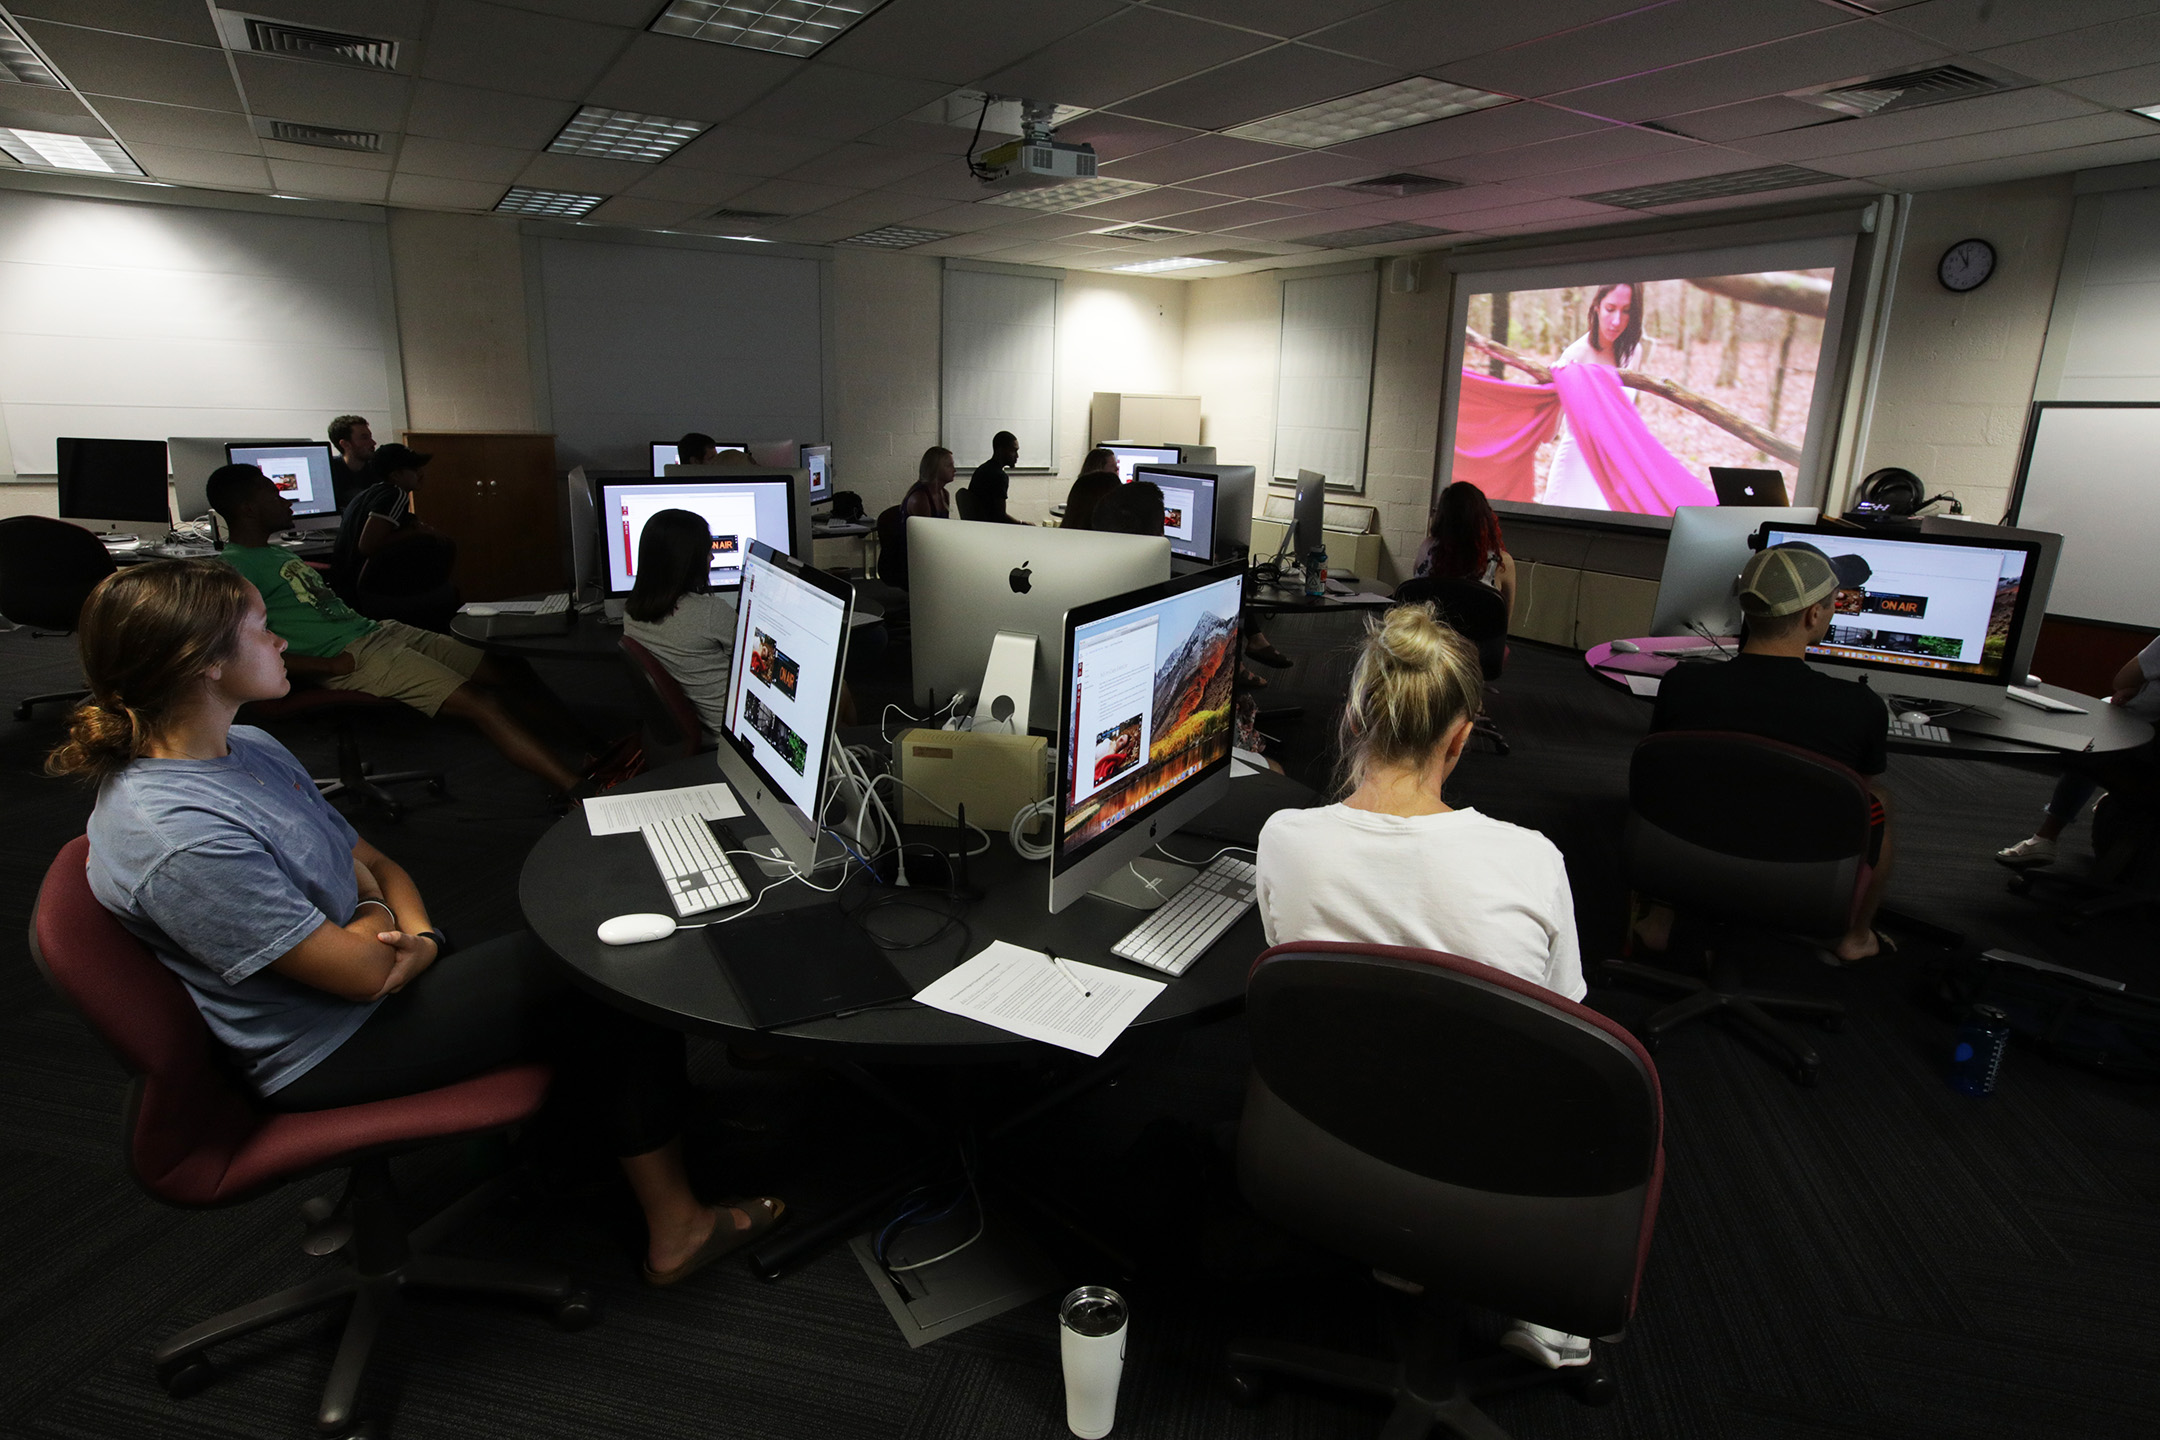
1024 817
1203 864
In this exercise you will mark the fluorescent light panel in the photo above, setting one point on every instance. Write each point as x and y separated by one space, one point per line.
785 27
897 237
624 135
551 204
21 62
1375 112
91 154
1168 262
2150 112
1071 195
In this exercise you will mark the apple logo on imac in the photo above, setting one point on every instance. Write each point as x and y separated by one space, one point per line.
1022 579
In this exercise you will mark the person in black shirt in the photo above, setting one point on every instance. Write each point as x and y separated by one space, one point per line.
355 446
990 484
1788 594
379 515
694 449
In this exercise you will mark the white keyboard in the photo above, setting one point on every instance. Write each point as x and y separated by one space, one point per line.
1180 931
554 604
697 874
1906 730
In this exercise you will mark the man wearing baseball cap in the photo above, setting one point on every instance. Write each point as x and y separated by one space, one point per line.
1788 594
379 515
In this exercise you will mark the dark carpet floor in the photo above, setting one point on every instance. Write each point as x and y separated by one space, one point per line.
1875 1257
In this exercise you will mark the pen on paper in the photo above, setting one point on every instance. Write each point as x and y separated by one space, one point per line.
1071 979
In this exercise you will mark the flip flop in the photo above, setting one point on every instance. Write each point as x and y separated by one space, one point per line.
1885 944
764 1213
1266 653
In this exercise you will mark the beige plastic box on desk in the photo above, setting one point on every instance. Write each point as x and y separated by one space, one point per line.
995 776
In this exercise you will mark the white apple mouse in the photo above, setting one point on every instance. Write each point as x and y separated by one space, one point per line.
635 929
482 611
1916 717
1626 647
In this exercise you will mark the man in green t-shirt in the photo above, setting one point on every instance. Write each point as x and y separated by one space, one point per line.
330 644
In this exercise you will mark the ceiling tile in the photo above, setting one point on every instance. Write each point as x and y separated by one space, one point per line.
630 210
454 160
1293 228
1286 18
2022 140
624 14
1269 83
808 230
868 166
791 197
1136 50
1048 227
1294 172
330 182
484 117
1438 208
1799 192
1841 53
1745 120
41 107
472 43
747 152
101 64
838 104
1973 25
2033 106
1149 204
965 218
1989 172
1201 156
921 137
1689 164
1118 137
2126 89
1419 33
581 174
691 187
947 181
1650 39
324 94
133 120
383 159
1319 197
883 207
1613 143
1439 141
1229 217
963 245
159 19
2092 51
432 192
1543 211
669 75
202 167
956 41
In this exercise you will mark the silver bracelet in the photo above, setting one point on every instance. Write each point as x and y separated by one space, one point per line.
371 900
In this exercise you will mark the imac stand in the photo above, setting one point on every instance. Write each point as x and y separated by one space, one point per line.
1008 682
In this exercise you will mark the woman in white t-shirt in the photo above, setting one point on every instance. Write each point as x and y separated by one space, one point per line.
1394 864
688 628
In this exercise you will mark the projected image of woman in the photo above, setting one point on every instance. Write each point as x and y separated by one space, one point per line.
1613 331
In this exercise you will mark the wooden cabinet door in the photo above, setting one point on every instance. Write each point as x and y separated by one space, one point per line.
495 495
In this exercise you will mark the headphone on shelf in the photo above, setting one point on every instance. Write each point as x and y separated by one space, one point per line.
1890 491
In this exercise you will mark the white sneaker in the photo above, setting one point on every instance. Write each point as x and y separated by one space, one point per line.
1554 1349
2029 853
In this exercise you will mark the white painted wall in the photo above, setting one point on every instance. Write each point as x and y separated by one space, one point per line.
1115 332
1232 329
2107 310
462 321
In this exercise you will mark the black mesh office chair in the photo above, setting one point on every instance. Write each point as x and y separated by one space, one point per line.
1459 1128
47 570
1745 834
892 562
1479 614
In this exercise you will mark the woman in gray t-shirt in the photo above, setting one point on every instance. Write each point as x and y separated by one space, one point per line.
310 953
688 628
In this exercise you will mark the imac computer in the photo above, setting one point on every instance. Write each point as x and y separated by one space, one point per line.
1207 509
816 462
301 471
664 454
1708 550
1144 726
970 580
798 494
119 482
1938 617
587 578
193 458
791 633
1130 457
740 509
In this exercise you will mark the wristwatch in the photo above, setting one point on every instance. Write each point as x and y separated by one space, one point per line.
442 942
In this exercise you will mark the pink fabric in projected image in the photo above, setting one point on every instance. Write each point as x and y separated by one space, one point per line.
1499 425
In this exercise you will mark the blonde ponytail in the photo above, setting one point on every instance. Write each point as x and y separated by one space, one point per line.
1415 680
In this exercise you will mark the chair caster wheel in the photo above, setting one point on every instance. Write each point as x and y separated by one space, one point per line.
1248 1387
186 1378
576 1310
1803 1072
1590 1385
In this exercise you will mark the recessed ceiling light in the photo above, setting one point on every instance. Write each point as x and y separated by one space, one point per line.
897 237
1391 107
752 239
1140 232
323 137
1168 262
2150 112
1071 195
48 151
21 63
624 135
785 27
554 204
1712 187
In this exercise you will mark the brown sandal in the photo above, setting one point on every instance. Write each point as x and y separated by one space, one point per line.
764 1213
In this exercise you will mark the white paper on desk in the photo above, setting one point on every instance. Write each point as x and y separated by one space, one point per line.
622 814
1021 991
1363 597
1643 685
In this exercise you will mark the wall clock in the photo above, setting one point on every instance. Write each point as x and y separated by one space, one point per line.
1966 266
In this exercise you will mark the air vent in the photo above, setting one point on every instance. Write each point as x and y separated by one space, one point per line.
305 42
1904 92
748 215
1370 235
897 237
322 137
1401 186
1711 187
1232 257
1140 232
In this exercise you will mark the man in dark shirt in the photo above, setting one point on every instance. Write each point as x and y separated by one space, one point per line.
990 484
379 515
1789 595
355 446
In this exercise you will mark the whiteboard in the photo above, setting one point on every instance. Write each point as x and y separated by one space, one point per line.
2092 474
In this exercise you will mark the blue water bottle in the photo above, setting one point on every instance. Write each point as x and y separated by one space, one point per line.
1316 571
1980 1044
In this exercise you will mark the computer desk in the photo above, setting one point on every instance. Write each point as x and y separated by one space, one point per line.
573 880
2109 729
590 636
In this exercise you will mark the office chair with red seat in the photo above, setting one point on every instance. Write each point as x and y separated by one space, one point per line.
194 1138
1462 1129
1479 614
670 718
1746 834
47 570
342 709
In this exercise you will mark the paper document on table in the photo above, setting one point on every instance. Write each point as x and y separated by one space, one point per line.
1644 685
621 814
1022 991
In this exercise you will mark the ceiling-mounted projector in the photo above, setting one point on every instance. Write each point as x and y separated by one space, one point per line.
1034 160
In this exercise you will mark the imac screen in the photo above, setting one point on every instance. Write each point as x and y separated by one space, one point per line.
300 472
817 459
1129 457
785 677
1926 604
1188 511
738 512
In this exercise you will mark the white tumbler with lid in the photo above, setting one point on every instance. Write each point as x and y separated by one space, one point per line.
1091 1338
